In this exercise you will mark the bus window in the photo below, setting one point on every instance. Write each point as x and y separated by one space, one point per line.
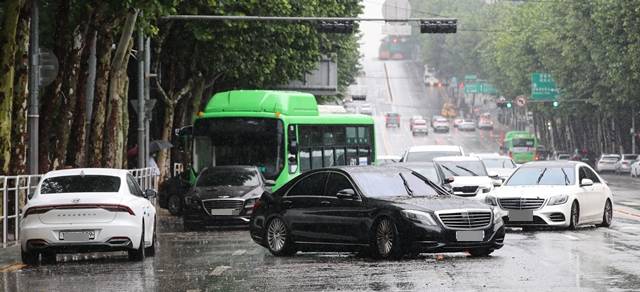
340 157
305 160
523 143
202 153
352 135
328 158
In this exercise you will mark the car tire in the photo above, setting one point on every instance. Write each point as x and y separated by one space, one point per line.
278 237
29 258
574 217
49 258
138 254
480 252
386 240
174 205
151 251
607 215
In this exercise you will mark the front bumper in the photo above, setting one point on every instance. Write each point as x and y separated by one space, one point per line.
199 217
422 238
546 216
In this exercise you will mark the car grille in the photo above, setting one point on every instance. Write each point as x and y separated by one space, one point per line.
466 220
557 217
222 204
521 203
466 191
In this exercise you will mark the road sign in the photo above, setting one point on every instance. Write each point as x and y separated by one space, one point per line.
470 77
521 101
396 29
472 88
480 87
543 87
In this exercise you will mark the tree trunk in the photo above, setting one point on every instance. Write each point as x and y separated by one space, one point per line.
167 126
21 92
103 55
7 67
114 136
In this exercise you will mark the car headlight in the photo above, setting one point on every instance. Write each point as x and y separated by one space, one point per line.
497 215
558 200
191 201
418 216
491 200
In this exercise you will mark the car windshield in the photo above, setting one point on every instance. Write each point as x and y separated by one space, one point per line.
80 184
215 177
420 122
610 158
498 163
392 184
429 172
428 156
463 168
554 176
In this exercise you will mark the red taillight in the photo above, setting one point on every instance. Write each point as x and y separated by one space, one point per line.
108 207
510 154
256 205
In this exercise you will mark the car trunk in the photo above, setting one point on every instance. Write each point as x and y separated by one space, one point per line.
79 208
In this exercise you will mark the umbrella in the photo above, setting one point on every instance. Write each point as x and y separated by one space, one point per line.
157 145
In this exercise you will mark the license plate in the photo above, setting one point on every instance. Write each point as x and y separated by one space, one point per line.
470 235
521 215
223 212
77 235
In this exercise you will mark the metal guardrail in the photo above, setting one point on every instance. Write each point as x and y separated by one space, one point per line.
15 191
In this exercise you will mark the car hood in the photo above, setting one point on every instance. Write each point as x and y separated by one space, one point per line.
227 192
532 191
463 181
435 203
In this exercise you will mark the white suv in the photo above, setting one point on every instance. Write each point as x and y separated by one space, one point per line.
471 178
426 153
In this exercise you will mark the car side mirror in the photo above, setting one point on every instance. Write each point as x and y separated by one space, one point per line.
346 194
585 182
149 193
270 182
493 175
448 180
497 182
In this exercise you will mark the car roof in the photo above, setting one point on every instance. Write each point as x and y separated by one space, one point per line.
456 158
610 155
553 163
87 171
396 167
488 155
427 148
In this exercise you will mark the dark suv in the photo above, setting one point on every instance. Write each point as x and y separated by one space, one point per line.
392 119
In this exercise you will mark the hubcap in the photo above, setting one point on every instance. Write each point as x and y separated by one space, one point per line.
607 212
574 214
276 235
384 237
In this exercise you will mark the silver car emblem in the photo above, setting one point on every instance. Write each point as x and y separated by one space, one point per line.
75 201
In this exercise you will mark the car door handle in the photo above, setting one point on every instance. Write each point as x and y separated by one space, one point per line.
287 203
325 203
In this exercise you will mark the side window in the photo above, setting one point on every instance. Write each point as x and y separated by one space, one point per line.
134 188
582 175
592 176
336 183
312 185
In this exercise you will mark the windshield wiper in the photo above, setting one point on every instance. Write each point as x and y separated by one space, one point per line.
541 175
467 170
449 170
406 185
566 178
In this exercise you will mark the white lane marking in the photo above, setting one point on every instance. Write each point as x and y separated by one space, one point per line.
239 252
627 203
570 237
219 270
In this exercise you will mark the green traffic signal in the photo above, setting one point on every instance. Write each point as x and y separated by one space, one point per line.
509 104
555 103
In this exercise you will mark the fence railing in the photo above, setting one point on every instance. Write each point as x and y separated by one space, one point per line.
16 190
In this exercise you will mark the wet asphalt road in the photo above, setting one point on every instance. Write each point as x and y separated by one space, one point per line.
588 259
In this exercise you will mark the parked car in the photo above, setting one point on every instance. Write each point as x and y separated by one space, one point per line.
413 119
419 127
392 120
501 165
88 210
635 168
467 125
223 195
607 162
434 118
366 109
426 153
171 194
386 212
441 125
624 164
485 124
471 178
554 193
457 122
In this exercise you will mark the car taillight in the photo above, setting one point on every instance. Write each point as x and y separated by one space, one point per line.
108 207
37 210
510 154
117 208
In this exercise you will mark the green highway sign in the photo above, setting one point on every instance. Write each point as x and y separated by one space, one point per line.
481 87
471 88
543 87
470 77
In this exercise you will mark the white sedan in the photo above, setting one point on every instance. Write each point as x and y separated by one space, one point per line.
555 194
88 210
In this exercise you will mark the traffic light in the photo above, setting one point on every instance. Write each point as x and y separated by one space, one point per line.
509 105
555 104
345 27
439 26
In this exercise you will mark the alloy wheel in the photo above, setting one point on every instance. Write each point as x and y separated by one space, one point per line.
385 237
276 235
574 216
174 205
608 214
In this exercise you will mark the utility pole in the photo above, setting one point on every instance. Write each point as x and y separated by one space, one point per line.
141 112
34 84
147 95
633 129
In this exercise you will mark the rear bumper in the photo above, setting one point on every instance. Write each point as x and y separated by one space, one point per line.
606 167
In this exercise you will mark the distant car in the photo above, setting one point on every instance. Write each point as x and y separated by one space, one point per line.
457 121
88 210
426 153
419 127
624 164
441 125
467 125
471 178
554 194
635 168
503 166
414 118
386 212
436 117
366 109
607 162
563 156
431 81
387 159
485 124
392 120
223 195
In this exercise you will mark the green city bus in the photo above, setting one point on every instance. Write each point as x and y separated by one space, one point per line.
280 132
520 146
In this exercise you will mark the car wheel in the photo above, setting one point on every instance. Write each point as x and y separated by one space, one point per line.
278 238
607 215
174 205
151 251
481 252
138 254
386 240
49 258
29 258
575 216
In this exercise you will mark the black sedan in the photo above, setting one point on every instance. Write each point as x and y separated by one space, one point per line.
223 195
383 211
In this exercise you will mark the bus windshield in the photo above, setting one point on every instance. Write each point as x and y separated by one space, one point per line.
239 141
523 142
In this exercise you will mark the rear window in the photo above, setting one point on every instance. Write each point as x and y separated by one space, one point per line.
80 184
610 158
420 122
630 157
